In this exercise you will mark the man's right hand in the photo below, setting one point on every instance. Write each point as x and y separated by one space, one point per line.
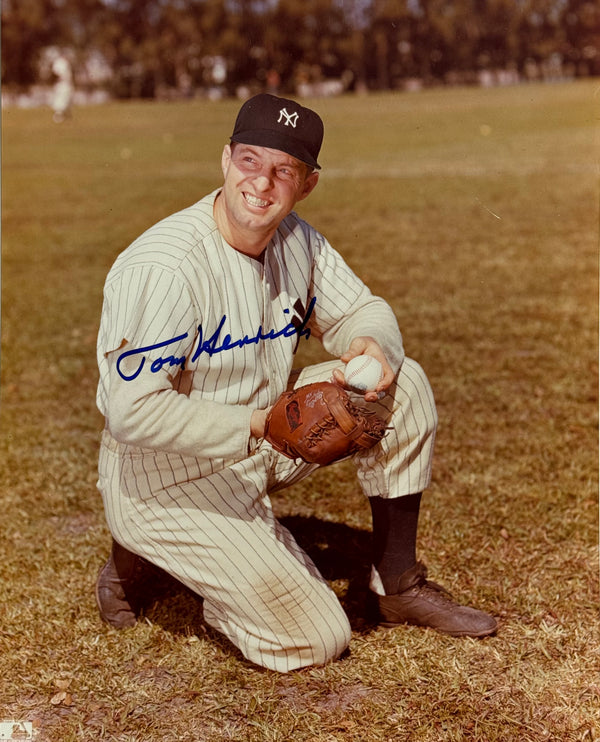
258 421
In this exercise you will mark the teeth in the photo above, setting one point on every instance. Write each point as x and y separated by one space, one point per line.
253 201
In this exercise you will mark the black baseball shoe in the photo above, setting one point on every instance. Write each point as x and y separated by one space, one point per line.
420 602
117 588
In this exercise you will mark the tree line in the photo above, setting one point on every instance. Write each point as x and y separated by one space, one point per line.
183 45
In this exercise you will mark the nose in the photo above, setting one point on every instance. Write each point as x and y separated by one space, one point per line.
264 181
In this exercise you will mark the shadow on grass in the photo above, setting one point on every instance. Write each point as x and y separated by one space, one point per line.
340 552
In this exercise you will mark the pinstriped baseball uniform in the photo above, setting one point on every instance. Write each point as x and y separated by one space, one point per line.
183 482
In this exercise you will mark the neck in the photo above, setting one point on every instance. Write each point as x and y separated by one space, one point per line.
248 243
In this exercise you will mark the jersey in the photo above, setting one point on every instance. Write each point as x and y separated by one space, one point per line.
180 299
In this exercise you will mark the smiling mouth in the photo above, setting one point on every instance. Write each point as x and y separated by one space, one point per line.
253 201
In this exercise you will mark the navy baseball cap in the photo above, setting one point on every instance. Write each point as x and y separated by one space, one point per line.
279 123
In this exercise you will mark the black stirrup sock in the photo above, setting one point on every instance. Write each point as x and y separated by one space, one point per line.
395 523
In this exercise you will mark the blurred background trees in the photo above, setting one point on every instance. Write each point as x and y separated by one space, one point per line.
149 48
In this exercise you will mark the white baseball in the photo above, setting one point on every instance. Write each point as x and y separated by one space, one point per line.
363 373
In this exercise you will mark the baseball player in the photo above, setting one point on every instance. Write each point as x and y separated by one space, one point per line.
202 316
62 95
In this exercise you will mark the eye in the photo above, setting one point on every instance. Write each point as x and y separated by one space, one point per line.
286 173
246 161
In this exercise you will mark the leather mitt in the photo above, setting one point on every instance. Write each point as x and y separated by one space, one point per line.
320 424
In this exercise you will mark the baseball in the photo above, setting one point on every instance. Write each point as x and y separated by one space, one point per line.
363 373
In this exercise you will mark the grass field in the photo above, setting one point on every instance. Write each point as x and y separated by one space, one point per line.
475 213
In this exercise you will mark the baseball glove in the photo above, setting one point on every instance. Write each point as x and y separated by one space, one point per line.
320 424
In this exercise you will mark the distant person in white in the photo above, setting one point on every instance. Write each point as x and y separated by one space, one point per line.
62 95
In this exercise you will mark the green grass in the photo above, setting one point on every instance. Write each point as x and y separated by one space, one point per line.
475 213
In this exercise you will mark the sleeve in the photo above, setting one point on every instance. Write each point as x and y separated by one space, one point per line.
146 334
345 308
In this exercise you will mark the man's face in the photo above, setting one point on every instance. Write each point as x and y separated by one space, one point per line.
262 186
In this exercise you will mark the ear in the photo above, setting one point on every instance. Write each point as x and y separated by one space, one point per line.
309 185
225 159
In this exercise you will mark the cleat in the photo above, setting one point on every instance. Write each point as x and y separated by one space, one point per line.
421 602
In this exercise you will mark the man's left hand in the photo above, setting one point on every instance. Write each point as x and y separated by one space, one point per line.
366 346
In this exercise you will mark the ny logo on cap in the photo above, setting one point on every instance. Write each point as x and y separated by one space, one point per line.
289 119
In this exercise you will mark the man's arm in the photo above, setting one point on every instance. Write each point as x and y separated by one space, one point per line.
348 317
147 412
153 310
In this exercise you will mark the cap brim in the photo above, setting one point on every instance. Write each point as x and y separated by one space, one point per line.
275 140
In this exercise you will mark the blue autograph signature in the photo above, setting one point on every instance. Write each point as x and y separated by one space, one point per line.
211 346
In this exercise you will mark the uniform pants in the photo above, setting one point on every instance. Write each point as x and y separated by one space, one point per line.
217 534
